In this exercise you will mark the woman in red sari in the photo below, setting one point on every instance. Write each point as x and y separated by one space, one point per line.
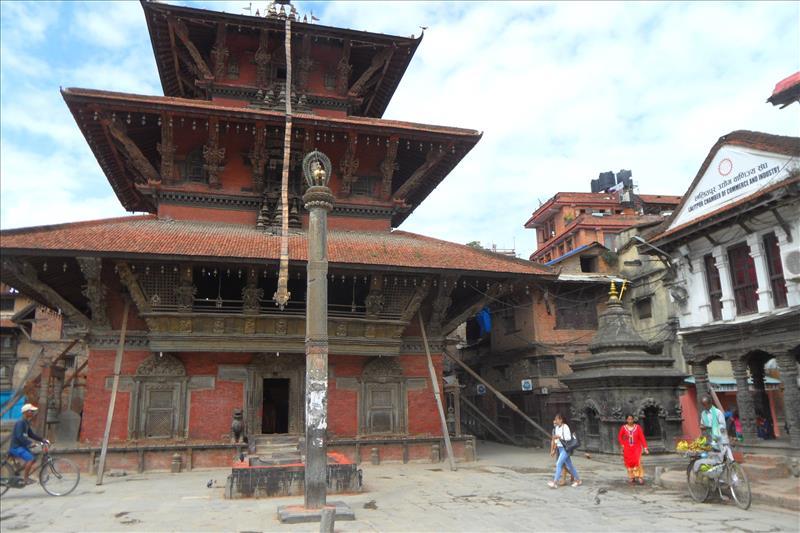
631 440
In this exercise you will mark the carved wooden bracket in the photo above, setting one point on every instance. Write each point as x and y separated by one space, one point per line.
442 303
389 166
305 64
220 52
128 279
258 157
416 301
262 60
349 164
379 60
180 29
26 274
431 159
167 149
131 152
94 290
213 154
343 69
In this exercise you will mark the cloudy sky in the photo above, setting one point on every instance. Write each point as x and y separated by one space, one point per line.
562 91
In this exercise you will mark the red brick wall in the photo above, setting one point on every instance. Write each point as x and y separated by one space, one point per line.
97 397
343 404
423 415
210 411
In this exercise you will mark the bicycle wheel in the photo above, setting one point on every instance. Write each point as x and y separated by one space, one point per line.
59 477
739 485
6 474
698 489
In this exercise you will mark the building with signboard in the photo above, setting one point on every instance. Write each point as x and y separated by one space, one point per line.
205 341
734 243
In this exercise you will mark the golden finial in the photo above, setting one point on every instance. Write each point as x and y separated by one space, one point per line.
612 292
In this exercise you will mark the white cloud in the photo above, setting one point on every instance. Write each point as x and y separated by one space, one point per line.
562 90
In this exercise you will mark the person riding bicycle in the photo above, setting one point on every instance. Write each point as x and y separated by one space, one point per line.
712 421
22 439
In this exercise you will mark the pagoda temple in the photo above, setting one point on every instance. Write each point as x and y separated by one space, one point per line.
203 338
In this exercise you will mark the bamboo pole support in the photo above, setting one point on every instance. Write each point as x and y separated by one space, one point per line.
437 395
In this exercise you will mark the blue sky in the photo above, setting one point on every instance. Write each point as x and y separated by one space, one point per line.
562 91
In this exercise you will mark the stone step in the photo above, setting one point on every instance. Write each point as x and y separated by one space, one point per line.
762 459
765 472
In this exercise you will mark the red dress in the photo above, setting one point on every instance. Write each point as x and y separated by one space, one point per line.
632 442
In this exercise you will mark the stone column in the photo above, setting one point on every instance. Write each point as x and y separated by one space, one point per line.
792 287
700 373
728 302
318 201
744 400
787 364
760 400
764 291
702 302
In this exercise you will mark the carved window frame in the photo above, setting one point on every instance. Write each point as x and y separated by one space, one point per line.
386 373
159 372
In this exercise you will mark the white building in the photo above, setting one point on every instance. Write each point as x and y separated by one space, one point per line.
734 243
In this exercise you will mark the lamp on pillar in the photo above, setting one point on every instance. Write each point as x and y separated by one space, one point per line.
318 201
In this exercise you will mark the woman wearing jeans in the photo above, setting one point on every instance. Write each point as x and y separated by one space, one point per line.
561 432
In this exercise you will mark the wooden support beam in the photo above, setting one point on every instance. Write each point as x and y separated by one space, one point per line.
131 151
95 290
497 393
378 62
114 387
177 66
415 302
438 396
783 224
442 303
388 167
26 274
489 423
431 159
745 227
496 290
381 78
180 29
343 69
219 54
128 279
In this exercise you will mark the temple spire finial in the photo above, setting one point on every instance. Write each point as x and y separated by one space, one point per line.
612 292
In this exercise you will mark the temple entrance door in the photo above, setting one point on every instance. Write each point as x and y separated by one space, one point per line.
275 406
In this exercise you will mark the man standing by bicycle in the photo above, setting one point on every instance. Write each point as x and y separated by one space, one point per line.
22 439
712 420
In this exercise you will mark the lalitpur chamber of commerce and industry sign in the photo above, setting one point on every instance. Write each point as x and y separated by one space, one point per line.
205 342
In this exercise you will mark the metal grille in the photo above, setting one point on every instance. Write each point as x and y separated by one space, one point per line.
158 287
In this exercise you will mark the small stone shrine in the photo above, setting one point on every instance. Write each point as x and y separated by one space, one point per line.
624 374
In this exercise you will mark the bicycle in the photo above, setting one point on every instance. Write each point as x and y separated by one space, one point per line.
57 476
711 478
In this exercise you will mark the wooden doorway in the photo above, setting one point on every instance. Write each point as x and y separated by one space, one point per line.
275 406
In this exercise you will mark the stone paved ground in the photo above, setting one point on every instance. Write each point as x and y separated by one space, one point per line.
504 491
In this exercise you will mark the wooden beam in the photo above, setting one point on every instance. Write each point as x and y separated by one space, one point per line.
497 393
132 152
782 222
380 79
431 159
180 29
494 291
415 302
128 279
378 61
343 69
488 423
95 290
117 368
26 274
174 49
438 396
442 303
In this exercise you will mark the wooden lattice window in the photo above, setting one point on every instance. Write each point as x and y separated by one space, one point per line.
547 367
776 279
160 413
159 286
383 398
714 287
193 166
743 278
366 186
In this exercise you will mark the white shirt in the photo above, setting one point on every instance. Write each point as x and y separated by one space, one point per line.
562 432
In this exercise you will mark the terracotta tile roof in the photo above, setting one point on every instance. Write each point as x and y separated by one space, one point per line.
786 91
7 323
150 236
660 199
755 140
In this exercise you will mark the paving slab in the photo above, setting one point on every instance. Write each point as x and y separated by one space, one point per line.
505 490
